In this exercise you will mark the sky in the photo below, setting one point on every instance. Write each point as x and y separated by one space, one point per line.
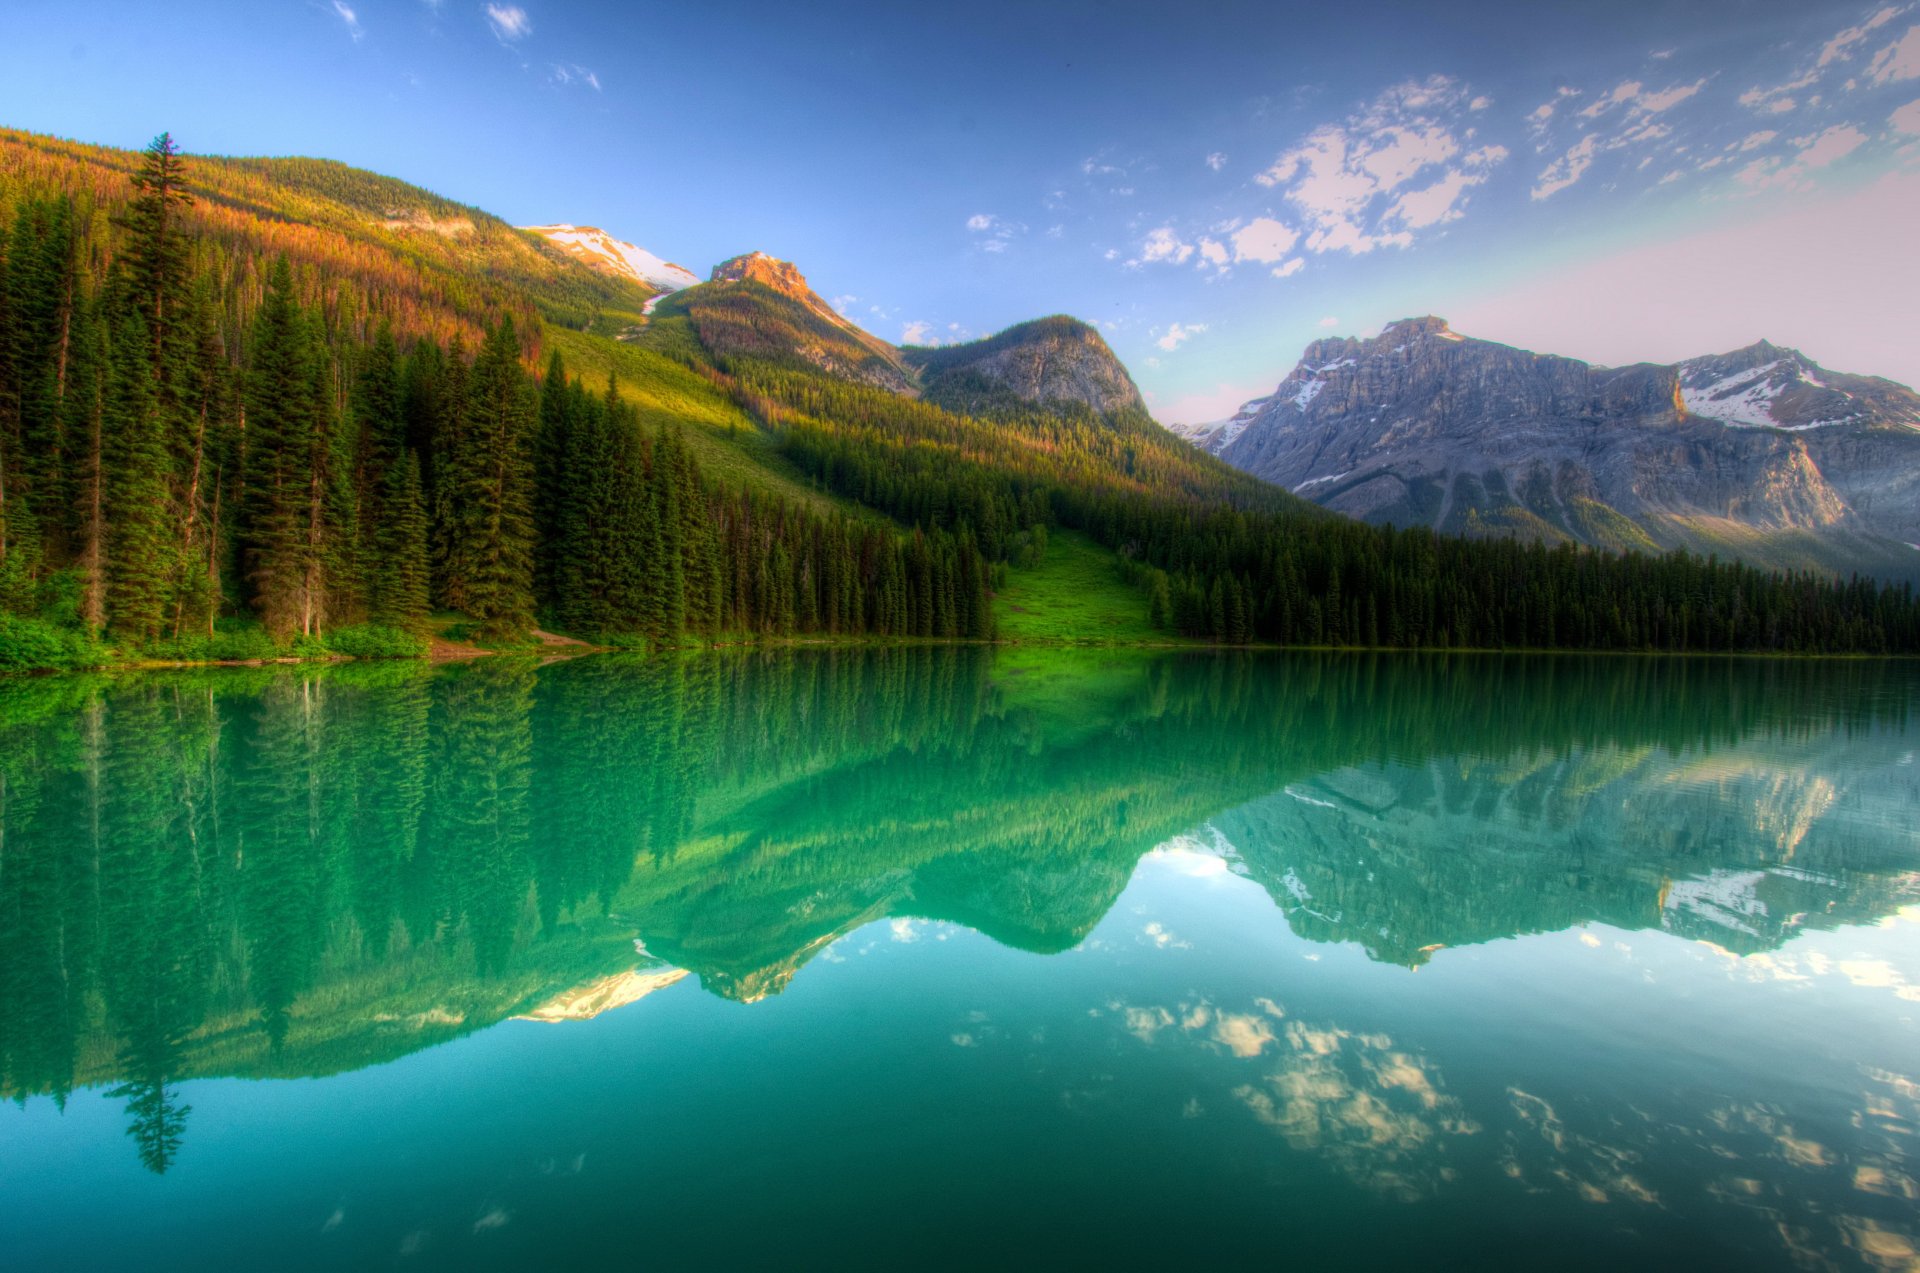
1215 186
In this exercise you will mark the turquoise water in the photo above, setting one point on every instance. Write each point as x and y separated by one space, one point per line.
938 957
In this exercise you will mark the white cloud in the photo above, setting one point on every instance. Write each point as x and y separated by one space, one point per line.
509 22
1812 153
1166 246
1621 94
1178 335
1344 176
1328 321
842 304
916 333
1289 268
1263 239
1479 103
1633 107
1217 160
1840 47
1567 169
1753 141
1899 60
1906 119
572 71
1214 253
352 19
998 230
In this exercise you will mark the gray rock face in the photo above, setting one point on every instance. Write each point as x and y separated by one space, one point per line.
1758 453
1050 360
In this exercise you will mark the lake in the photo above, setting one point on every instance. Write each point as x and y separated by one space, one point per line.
935 956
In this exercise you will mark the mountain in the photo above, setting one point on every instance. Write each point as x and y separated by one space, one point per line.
755 306
615 258
1047 362
1758 454
387 249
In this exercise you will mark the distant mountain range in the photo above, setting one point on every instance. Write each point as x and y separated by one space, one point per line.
1759 454
758 306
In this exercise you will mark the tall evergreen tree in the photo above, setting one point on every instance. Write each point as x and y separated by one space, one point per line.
489 511
281 411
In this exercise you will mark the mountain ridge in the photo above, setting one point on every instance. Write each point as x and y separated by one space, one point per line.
1758 453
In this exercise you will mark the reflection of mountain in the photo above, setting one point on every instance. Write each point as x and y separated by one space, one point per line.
1740 847
301 871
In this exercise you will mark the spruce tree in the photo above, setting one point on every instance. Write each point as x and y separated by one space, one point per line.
276 547
141 536
400 574
489 491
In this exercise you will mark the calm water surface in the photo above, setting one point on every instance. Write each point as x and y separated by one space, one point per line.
935 957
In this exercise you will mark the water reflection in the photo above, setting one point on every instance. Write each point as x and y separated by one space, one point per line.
302 871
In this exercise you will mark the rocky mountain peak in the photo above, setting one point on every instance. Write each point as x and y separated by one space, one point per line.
1048 360
758 267
1759 453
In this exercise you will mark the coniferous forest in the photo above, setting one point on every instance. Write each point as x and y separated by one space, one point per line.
223 444
188 438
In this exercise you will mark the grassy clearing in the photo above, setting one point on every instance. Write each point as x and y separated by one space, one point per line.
730 447
1075 596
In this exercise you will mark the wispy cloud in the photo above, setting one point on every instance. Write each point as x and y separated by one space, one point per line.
1178 334
509 22
1399 165
352 19
1217 160
1899 60
574 73
996 232
1627 115
1809 155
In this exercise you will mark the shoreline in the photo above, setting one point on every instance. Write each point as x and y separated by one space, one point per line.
552 648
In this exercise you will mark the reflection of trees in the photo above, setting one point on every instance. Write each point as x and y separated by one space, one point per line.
304 870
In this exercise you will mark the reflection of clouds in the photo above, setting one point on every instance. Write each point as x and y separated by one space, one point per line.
1812 965
1163 938
493 1218
1816 1193
1375 1112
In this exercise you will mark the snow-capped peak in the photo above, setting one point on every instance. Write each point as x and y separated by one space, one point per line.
609 255
1764 386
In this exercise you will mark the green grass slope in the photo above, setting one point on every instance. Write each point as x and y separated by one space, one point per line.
1074 596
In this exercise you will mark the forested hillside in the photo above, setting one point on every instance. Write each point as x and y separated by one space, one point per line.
257 407
177 453
1235 560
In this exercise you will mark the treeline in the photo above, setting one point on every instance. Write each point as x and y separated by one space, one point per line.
1226 559
157 474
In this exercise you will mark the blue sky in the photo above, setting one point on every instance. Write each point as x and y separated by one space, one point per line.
1214 185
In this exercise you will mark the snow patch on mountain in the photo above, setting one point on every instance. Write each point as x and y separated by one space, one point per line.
617 257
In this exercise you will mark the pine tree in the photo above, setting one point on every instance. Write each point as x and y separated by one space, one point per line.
490 541
400 572
157 251
281 412
140 533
